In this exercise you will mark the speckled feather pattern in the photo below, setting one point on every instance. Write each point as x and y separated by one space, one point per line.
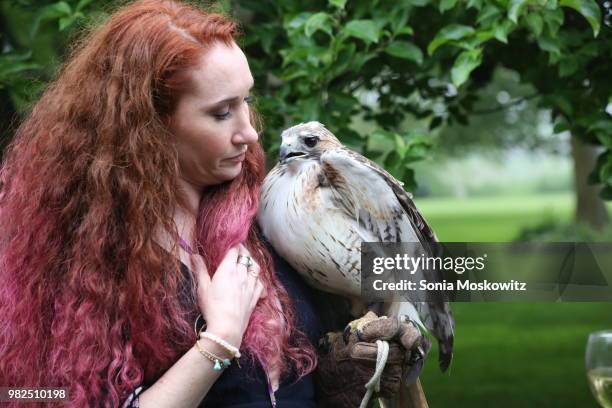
317 209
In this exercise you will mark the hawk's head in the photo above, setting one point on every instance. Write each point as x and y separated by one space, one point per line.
306 141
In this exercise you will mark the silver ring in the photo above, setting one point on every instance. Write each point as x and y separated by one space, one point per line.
245 260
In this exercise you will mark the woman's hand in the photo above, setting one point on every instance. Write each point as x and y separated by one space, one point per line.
228 298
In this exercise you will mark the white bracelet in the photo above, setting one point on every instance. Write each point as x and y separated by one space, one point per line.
221 342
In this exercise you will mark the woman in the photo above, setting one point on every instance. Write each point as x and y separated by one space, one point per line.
147 126
126 205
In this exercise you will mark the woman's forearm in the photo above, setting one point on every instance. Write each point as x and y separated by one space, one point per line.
187 382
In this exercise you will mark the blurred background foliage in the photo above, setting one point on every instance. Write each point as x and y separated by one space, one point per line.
459 86
496 114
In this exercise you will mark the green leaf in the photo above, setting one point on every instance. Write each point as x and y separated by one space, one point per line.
65 22
405 50
319 21
489 13
502 30
567 66
380 140
417 148
82 4
420 3
446 5
360 60
550 44
562 103
309 108
7 71
605 173
603 131
514 9
465 63
11 64
601 125
553 19
589 10
294 55
365 30
477 4
535 23
451 32
605 139
293 73
297 21
549 4
393 163
400 145
50 12
337 3
266 36
399 18
561 127
62 7
405 30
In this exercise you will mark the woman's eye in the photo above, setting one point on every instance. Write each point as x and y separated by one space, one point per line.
226 115
222 116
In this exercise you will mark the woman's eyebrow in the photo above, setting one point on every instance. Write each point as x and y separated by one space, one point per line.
230 99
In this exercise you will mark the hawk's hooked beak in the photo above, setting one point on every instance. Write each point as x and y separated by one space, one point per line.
287 152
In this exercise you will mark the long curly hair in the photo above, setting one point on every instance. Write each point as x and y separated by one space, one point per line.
88 299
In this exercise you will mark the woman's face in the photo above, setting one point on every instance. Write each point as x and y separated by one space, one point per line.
211 121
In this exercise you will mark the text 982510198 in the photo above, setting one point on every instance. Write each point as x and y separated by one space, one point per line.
33 394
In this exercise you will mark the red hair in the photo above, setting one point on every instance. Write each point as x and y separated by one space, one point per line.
88 299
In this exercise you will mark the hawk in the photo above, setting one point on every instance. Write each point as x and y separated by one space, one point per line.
319 203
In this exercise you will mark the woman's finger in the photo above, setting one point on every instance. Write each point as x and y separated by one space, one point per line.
230 258
259 287
245 261
198 266
254 269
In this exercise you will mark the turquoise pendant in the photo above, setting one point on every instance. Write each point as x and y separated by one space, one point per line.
217 366
227 362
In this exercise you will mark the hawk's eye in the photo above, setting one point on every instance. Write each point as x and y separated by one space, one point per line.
311 141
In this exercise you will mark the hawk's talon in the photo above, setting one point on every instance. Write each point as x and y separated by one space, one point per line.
346 333
416 355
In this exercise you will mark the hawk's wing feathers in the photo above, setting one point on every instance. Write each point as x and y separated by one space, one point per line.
370 194
364 196
360 179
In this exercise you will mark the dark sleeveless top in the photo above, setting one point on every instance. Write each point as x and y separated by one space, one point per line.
236 389
246 387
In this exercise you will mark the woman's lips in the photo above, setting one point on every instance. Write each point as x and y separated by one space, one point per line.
237 159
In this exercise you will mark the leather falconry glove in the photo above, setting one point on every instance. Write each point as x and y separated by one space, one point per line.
347 361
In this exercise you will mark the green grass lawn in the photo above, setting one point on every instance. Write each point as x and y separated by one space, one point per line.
492 219
511 354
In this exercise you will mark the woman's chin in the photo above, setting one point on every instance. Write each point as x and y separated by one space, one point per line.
231 172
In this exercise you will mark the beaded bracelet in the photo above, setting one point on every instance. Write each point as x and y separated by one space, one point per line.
215 359
221 342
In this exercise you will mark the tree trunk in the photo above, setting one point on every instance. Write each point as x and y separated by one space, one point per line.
590 208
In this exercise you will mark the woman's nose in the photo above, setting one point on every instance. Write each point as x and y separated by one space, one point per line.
246 133
249 133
